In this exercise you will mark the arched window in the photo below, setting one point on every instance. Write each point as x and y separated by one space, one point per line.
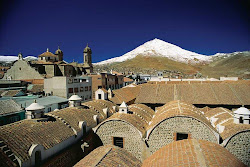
241 120
38 158
84 130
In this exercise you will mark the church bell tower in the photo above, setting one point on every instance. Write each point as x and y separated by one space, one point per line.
87 59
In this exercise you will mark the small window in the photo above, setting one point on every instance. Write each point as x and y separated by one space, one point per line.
99 96
89 88
81 89
241 120
76 90
70 90
86 88
118 141
20 68
181 136
99 87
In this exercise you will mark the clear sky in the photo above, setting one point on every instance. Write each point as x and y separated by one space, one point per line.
114 27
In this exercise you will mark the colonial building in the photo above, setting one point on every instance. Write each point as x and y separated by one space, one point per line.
36 141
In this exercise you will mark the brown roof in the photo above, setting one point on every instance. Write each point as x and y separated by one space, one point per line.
125 94
132 119
178 108
127 79
143 111
20 136
109 155
10 93
206 93
225 118
99 105
47 54
35 88
192 152
73 116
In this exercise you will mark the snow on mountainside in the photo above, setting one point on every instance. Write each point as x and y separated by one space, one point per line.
157 47
14 58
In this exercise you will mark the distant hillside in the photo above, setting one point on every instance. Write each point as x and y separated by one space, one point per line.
233 64
148 64
14 58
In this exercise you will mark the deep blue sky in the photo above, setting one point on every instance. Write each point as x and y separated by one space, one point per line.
114 27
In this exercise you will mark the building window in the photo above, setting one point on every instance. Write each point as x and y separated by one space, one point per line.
38 158
70 90
118 141
20 68
99 96
86 88
49 109
81 89
241 120
99 87
76 90
181 136
89 88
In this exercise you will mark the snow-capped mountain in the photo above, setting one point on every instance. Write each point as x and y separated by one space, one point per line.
14 58
157 47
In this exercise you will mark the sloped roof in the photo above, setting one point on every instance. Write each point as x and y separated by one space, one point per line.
178 108
47 54
242 110
206 93
73 115
225 118
35 88
11 93
192 152
20 136
109 155
132 119
143 111
126 79
9 107
125 94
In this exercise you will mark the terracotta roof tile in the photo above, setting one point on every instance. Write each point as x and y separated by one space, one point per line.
206 93
109 155
19 136
192 152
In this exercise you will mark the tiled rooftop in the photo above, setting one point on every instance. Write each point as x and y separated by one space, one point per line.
178 108
193 153
207 93
19 136
8 107
225 118
109 156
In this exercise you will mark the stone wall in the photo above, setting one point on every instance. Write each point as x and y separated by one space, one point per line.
163 133
132 140
22 70
239 145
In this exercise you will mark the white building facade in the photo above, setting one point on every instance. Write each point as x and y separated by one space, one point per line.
67 86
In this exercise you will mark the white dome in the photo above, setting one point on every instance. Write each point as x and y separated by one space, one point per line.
35 106
242 110
75 98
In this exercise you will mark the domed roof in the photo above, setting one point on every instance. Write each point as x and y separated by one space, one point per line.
242 110
35 106
47 54
75 98
87 49
58 51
